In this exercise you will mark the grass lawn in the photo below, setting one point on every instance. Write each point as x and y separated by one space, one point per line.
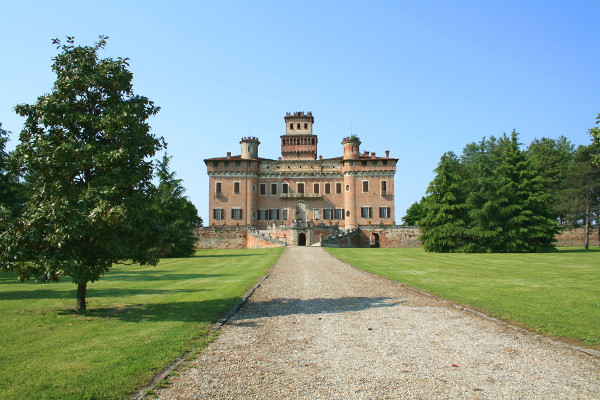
557 294
139 319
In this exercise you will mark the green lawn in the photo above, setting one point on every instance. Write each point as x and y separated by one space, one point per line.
139 319
557 294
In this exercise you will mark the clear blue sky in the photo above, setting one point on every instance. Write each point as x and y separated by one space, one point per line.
417 78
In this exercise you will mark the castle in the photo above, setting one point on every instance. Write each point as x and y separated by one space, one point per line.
299 198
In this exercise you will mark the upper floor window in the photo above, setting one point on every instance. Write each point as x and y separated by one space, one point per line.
338 188
328 188
285 188
262 189
316 188
273 188
365 185
219 187
384 188
236 188
301 188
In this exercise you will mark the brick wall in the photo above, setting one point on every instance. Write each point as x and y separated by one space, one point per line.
390 236
221 238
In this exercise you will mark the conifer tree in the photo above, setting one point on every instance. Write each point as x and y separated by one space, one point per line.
177 217
444 227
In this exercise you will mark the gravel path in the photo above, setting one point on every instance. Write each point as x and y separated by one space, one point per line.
320 329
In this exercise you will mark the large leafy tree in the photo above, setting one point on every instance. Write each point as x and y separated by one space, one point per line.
177 217
444 227
415 213
85 149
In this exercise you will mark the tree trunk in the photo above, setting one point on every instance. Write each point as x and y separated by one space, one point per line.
586 242
81 291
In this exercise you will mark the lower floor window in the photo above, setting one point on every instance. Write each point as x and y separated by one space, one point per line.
339 213
236 213
316 213
274 214
284 214
385 212
218 214
327 213
262 215
366 212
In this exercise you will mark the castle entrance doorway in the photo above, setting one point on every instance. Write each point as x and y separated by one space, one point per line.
301 211
375 240
302 239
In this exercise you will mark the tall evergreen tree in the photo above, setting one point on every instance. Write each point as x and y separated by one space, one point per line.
177 217
595 134
84 149
444 227
415 213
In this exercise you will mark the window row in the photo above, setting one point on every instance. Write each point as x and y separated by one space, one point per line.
298 125
236 213
367 212
273 188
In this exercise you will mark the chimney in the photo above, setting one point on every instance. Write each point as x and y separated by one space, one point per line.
228 154
320 157
366 153
387 154
372 154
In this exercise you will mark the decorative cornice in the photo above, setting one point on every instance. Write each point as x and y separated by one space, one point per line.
370 173
223 174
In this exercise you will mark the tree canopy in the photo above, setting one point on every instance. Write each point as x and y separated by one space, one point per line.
85 151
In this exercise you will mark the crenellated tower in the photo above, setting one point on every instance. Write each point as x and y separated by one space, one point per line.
299 143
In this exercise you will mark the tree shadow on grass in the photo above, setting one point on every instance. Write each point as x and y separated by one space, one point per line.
226 255
155 275
581 251
92 293
190 311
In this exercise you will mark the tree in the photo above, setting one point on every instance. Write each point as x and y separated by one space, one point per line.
11 190
551 159
581 196
415 213
177 217
85 150
595 133
444 227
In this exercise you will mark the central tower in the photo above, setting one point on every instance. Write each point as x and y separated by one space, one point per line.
299 143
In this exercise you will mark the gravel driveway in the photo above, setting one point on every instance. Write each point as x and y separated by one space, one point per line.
320 329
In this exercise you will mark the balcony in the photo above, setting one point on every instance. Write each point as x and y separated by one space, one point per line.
284 196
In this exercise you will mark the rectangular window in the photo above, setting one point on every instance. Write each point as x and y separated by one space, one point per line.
366 212
236 213
249 163
365 186
338 188
236 188
385 212
219 188
274 214
284 214
316 188
328 188
262 190
316 214
238 164
327 213
301 188
218 214
339 213
273 188
285 188
216 164
226 164
384 191
262 215
384 162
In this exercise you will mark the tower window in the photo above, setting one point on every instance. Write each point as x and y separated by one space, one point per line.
305 125
218 188
338 188
298 125
236 213
218 213
292 126
366 212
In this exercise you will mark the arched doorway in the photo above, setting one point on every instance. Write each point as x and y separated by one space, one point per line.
375 240
302 239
